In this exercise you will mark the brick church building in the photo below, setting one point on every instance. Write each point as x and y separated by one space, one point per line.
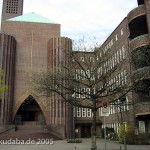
31 43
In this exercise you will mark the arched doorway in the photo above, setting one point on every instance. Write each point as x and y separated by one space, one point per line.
29 112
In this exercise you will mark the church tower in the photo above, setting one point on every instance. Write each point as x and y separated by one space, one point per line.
11 9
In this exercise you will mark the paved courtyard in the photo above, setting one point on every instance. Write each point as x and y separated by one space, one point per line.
63 145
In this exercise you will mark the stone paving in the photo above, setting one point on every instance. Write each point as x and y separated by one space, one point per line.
63 145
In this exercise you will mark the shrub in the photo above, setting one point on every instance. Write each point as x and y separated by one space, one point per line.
74 141
127 131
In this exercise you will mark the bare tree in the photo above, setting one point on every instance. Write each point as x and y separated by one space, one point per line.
87 80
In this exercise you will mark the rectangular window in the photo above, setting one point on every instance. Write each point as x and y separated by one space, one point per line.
82 59
125 77
123 52
92 75
78 112
82 75
121 31
77 93
116 37
88 74
118 57
141 127
77 74
88 92
89 112
83 112
91 59
83 93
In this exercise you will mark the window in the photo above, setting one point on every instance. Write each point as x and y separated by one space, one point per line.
125 77
78 93
88 74
83 93
82 75
121 31
77 74
91 59
78 112
141 126
88 92
116 37
82 59
100 55
92 75
123 52
83 112
117 56
89 112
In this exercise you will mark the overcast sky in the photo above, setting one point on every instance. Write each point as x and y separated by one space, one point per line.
78 18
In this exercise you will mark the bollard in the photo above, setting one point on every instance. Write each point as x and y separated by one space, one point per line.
74 147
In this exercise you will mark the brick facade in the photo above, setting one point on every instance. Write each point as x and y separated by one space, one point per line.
30 47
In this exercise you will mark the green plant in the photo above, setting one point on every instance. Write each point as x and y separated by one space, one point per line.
74 141
126 133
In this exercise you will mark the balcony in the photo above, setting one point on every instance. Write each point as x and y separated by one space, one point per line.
142 74
139 41
139 11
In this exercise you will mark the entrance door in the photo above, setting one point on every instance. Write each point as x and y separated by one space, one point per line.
86 131
29 111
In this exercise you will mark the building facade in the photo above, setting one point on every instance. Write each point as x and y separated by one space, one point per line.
31 43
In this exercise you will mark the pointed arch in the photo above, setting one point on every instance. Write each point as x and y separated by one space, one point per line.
37 100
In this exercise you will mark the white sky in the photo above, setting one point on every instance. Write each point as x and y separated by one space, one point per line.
78 18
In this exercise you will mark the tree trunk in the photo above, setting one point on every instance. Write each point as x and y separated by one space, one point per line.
93 146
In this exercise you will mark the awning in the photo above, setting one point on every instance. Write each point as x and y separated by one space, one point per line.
142 114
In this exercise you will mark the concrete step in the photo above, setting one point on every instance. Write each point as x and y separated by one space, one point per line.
25 136
28 131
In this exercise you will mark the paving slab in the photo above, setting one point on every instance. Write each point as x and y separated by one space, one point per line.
63 145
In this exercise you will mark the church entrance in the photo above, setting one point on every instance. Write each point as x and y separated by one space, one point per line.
29 113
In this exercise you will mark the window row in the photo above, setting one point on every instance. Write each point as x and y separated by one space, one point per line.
118 81
81 93
112 61
12 12
83 112
113 125
84 59
83 75
12 1
110 44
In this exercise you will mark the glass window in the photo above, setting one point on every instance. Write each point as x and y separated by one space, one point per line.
141 127
121 31
116 37
83 112
78 112
91 59
89 112
77 74
82 59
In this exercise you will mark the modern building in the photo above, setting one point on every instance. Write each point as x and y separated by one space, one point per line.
30 43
